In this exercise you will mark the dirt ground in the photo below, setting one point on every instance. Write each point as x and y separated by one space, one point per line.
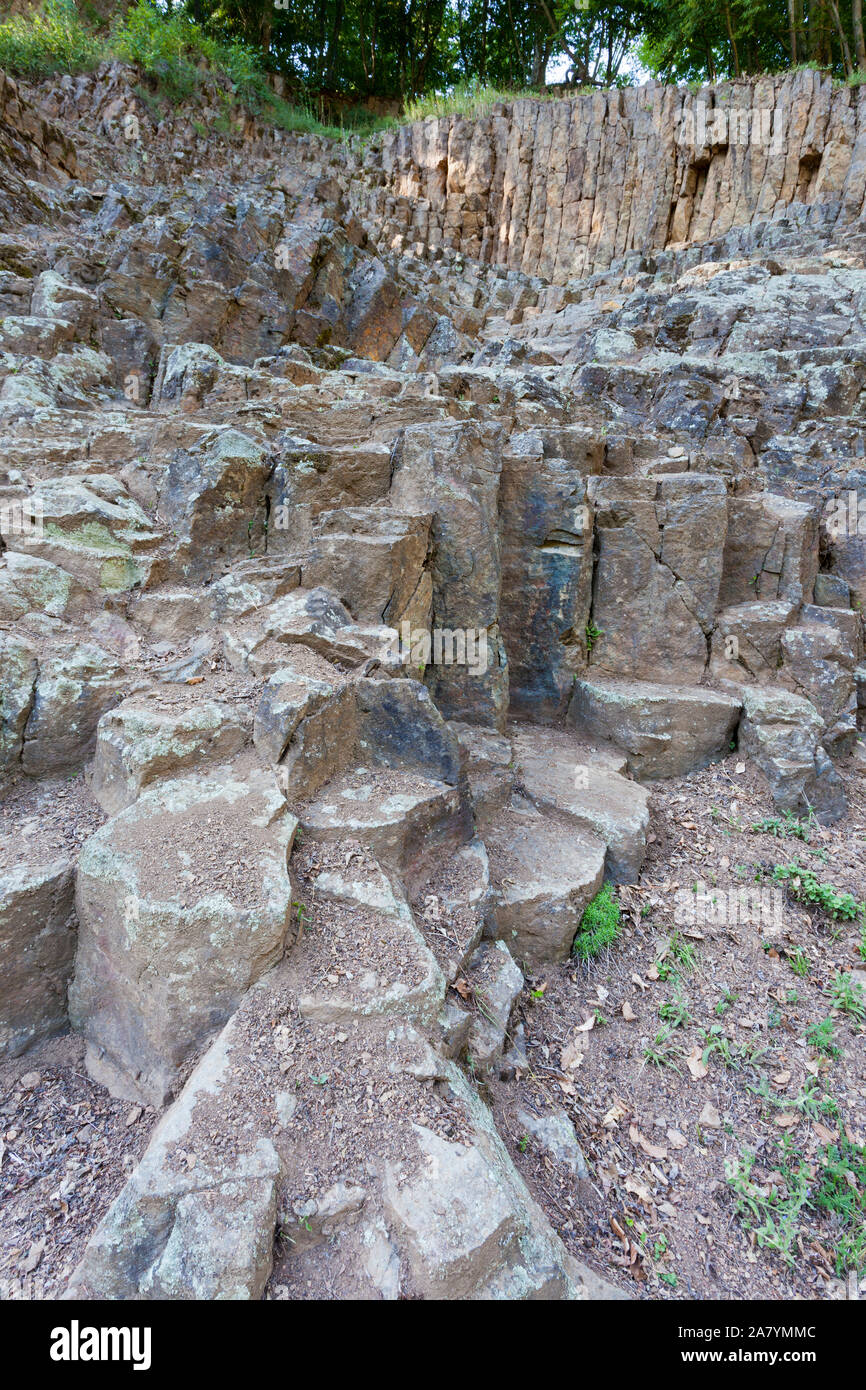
659 1216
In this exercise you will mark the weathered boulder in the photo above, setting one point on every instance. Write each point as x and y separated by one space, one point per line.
543 872
18 672
77 683
37 946
139 741
175 923
214 500
781 732
585 784
189 1230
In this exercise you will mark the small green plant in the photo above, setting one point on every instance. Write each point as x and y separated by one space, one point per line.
524 1143
599 925
661 1052
591 634
799 963
804 886
682 951
729 997
846 995
784 827
675 1011
821 1037
771 1211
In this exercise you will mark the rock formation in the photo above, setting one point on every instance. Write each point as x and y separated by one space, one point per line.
377 526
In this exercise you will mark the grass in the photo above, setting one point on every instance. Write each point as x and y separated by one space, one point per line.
473 100
831 1186
599 925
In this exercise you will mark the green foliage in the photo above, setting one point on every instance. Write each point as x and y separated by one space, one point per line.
804 886
599 925
591 634
54 40
821 1037
846 994
784 827
774 1207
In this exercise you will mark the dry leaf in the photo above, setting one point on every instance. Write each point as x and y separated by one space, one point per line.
628 1012
463 988
677 1140
573 1054
616 1113
696 1064
587 1025
650 1149
652 973
710 1117
194 680
785 1119
827 1136
567 1088
781 1078
638 1190
636 980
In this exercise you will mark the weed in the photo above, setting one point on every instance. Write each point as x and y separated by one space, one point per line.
591 634
804 886
799 963
821 1037
846 995
784 827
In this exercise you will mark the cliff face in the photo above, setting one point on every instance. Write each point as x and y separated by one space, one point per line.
564 188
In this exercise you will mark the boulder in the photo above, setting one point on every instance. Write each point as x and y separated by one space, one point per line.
183 903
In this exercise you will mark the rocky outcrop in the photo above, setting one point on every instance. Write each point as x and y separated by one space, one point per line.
564 188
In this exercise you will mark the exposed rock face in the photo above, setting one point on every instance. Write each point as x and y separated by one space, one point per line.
561 189
372 565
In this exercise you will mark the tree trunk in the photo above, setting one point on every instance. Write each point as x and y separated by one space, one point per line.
859 41
843 40
792 30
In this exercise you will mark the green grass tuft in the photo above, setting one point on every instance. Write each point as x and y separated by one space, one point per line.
599 925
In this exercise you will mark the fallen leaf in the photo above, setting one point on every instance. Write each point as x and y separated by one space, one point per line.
677 1140
826 1136
696 1064
573 1054
628 1012
616 1113
781 1078
587 1025
785 1119
638 1190
636 980
710 1117
194 680
650 1149
652 973
463 988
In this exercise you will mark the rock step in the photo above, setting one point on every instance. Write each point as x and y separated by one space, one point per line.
583 781
543 872
663 730
405 819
